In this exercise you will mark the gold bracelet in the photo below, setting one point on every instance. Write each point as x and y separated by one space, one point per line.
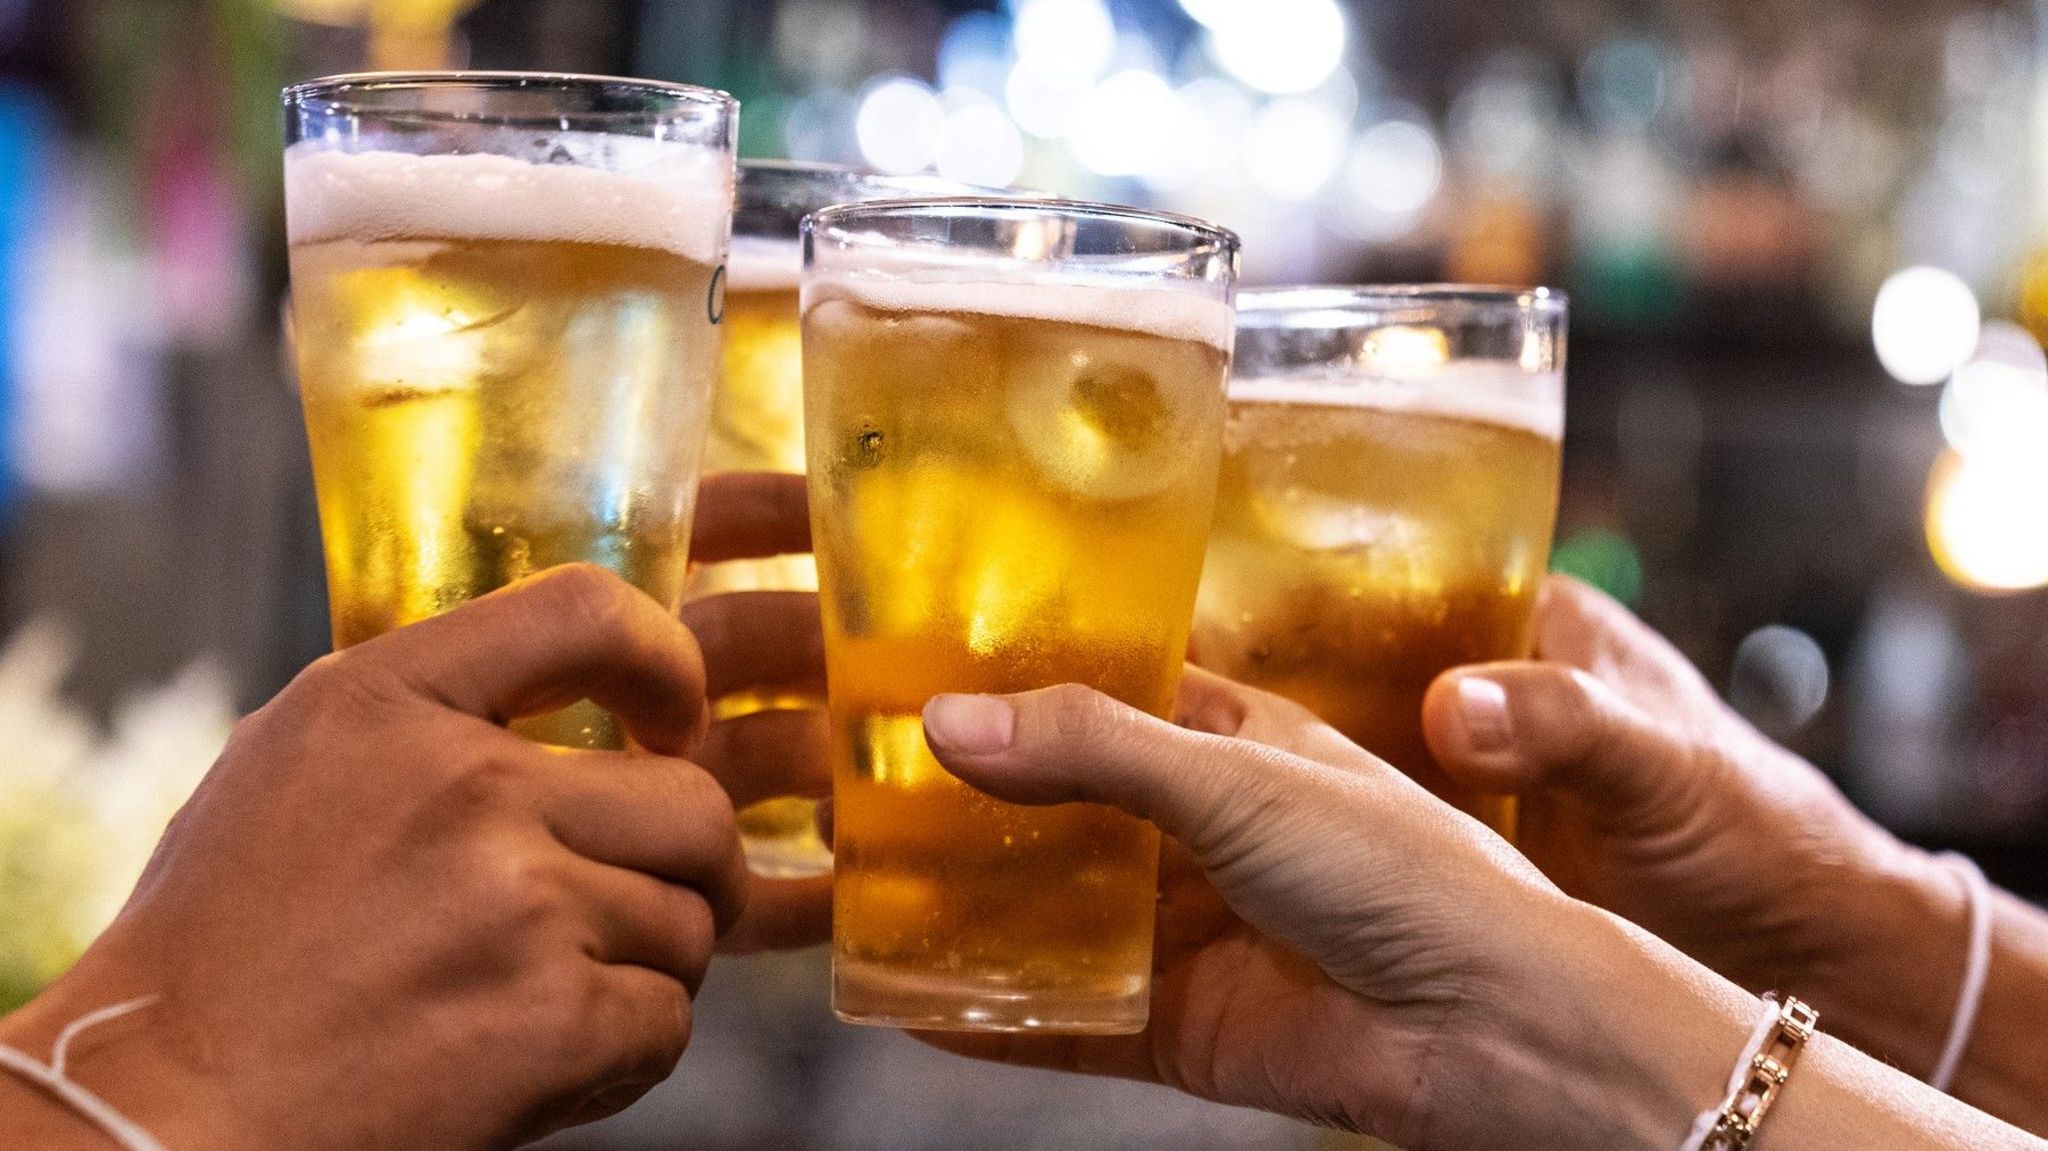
1759 1080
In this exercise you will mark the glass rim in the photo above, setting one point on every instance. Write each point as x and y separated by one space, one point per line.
329 93
1046 206
1278 300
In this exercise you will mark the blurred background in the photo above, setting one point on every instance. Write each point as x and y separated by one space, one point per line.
1806 243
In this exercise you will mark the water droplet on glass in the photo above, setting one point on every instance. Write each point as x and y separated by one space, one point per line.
868 448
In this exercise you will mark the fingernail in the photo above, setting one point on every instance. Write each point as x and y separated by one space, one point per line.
975 724
1483 705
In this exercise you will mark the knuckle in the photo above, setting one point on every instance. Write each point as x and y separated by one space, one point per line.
696 929
520 892
1249 791
1080 714
570 1002
672 1010
342 687
592 598
703 827
702 802
1582 704
480 781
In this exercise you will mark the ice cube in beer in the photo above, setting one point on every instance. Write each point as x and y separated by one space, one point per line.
1095 422
425 333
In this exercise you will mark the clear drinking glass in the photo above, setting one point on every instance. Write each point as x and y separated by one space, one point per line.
757 425
1015 413
1389 488
506 292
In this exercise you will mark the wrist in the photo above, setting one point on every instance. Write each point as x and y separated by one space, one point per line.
1661 1035
140 1064
1606 1037
31 1117
1889 982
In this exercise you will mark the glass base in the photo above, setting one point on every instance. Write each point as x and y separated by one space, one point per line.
881 997
781 840
1502 813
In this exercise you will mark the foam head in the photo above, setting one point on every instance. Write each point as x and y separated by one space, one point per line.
757 264
1174 311
679 200
1482 391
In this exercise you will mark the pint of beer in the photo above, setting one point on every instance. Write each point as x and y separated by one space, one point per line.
1388 492
506 302
757 422
1015 413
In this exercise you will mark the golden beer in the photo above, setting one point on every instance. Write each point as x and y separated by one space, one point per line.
757 418
504 367
1011 486
1375 528
757 426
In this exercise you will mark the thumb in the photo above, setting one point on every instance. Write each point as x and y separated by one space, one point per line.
1516 728
1220 797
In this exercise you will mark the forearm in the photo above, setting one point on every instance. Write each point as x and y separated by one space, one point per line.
30 1117
1892 989
1653 1041
1840 1099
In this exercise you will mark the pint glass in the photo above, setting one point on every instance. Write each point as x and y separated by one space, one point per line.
1389 487
506 295
757 422
1015 413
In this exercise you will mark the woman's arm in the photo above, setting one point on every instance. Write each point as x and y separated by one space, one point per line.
1645 794
1339 946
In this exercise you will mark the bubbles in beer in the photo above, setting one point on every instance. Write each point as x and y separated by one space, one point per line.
504 366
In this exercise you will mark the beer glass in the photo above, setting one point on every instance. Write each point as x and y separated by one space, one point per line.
757 424
506 294
1389 487
1015 415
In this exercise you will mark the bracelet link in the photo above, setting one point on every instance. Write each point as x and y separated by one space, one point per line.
1764 1075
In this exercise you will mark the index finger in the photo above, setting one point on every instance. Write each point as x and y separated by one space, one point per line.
569 633
748 515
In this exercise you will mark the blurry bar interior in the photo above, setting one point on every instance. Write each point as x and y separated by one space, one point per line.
1806 243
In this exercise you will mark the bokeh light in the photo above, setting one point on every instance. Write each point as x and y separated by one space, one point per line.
1294 148
1987 519
976 53
898 125
1041 106
1779 679
1278 46
1394 172
1064 40
1992 409
1126 125
978 144
1925 324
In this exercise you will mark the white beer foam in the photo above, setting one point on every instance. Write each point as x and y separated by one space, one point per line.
1175 313
1483 391
763 265
680 203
